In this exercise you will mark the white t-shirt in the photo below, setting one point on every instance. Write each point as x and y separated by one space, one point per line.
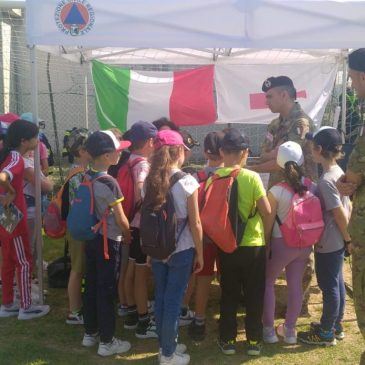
28 188
283 198
140 171
181 191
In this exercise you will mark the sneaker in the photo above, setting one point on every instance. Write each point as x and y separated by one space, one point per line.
9 311
34 311
269 335
196 332
254 348
145 329
180 348
316 336
176 359
151 306
115 346
289 335
90 340
339 333
186 317
131 320
75 318
227 347
122 310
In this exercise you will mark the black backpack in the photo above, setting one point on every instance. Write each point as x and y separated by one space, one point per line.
158 227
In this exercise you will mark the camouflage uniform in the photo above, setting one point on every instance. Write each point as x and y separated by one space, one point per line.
357 231
281 130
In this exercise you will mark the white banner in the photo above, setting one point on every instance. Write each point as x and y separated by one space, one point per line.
240 99
196 23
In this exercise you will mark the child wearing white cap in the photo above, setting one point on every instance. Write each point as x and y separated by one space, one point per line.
290 158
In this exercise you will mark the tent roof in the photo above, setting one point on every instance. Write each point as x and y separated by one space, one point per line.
190 56
197 24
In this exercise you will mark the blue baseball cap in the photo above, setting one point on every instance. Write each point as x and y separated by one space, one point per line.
101 142
141 131
233 140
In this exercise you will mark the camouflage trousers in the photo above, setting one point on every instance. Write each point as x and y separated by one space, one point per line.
358 284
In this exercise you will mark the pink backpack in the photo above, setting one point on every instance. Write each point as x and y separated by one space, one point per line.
303 225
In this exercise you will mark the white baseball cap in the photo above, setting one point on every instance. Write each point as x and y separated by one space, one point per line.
289 151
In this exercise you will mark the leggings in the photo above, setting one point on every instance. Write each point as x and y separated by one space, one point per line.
294 260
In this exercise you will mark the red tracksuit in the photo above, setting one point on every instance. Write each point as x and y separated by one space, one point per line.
16 249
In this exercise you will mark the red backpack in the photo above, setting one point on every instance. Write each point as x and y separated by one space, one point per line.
126 183
202 178
54 220
303 225
219 215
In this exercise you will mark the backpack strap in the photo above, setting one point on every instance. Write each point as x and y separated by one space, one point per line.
135 162
103 221
131 165
202 175
173 180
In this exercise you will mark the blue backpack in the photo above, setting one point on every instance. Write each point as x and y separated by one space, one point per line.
82 222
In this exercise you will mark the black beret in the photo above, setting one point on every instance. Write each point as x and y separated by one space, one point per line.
357 60
271 82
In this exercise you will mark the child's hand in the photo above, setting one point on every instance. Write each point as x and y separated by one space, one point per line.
7 199
127 237
198 264
149 261
345 188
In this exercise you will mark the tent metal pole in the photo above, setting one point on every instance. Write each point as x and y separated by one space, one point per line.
344 86
12 4
37 172
86 104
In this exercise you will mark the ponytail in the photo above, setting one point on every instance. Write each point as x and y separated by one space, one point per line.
293 176
158 180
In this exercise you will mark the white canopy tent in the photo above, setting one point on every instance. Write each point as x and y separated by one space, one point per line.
205 30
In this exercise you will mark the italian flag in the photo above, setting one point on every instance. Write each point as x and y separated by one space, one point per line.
124 96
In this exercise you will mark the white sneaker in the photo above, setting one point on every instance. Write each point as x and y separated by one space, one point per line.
75 318
90 340
151 306
9 311
180 348
269 335
34 311
186 319
175 359
115 346
290 336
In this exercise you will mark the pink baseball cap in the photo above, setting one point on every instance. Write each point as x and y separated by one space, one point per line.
167 137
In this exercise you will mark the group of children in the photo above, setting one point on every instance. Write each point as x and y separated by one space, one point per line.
115 262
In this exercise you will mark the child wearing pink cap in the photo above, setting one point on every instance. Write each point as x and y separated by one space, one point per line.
172 275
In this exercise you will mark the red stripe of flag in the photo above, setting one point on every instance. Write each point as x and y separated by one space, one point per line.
192 98
258 100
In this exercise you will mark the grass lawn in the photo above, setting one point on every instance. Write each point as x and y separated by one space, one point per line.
50 341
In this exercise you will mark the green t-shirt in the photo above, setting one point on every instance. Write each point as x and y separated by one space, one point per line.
250 190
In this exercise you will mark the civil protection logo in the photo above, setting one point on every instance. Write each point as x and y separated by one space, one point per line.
74 17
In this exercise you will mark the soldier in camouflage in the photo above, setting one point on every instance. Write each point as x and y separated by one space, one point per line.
292 124
354 183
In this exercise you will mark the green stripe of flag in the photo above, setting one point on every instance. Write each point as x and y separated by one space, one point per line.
112 94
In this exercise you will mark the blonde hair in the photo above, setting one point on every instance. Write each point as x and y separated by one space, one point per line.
158 180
